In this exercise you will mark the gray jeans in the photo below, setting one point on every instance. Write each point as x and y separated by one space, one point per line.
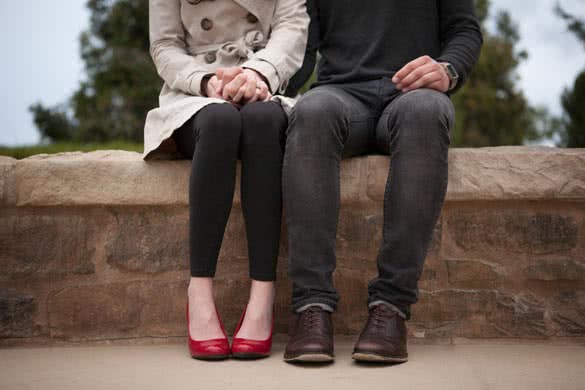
332 122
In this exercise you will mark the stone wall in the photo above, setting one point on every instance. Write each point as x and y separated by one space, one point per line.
94 246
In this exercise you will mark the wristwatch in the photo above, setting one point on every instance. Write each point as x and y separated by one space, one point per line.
452 73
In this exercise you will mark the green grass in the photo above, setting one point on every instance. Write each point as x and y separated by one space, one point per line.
57 147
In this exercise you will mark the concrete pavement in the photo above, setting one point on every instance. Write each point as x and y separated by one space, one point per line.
475 366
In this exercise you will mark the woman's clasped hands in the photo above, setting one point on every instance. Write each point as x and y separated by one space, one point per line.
237 85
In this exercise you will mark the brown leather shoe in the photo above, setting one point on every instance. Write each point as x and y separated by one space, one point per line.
383 339
311 337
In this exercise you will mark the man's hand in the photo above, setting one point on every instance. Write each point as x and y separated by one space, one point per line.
246 87
423 72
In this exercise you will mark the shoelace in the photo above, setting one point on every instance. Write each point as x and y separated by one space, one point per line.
312 319
380 315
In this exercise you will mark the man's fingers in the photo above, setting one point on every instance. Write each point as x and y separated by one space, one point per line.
438 85
425 81
406 69
416 74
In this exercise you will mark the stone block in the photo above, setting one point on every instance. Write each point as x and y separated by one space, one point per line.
478 313
568 313
352 178
501 234
555 269
359 232
16 313
378 169
148 239
102 177
38 243
162 305
516 172
470 271
95 312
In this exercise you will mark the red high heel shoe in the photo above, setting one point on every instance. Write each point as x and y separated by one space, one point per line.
211 349
251 349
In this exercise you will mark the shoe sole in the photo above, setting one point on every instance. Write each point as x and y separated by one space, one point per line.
310 358
373 357
249 356
210 357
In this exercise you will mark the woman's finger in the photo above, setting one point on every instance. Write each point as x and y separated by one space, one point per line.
251 87
231 89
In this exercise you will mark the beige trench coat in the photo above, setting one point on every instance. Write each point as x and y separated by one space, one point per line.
190 39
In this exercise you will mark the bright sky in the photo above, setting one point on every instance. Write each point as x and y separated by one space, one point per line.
40 56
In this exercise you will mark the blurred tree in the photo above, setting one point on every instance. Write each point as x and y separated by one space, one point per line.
491 110
121 85
573 100
53 124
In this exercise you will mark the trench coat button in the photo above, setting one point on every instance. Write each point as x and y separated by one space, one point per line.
251 18
206 24
210 57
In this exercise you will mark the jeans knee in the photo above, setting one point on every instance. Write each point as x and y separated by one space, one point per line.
426 107
318 120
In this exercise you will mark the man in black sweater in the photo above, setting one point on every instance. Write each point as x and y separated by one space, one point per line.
383 83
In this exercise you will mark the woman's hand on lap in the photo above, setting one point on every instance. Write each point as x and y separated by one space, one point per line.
212 87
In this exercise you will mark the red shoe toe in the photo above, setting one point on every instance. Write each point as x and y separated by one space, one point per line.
250 349
211 349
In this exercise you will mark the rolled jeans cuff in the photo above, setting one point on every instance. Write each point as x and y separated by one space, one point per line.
391 306
321 305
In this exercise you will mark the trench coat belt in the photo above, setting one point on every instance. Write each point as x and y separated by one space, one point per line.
234 50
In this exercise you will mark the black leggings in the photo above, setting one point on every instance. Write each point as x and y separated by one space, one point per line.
214 139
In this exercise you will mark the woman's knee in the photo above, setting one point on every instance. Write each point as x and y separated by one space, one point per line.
263 122
218 122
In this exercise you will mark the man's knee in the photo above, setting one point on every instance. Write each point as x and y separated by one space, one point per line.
425 107
318 118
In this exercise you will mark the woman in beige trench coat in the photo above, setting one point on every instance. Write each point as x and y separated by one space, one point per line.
223 63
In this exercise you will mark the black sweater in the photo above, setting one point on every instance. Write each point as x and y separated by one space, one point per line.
361 40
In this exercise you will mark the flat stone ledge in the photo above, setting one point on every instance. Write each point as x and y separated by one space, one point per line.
110 177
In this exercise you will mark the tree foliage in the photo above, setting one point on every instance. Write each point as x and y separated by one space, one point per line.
491 110
573 100
121 85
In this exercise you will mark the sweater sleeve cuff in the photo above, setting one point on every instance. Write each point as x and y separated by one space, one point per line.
460 71
267 70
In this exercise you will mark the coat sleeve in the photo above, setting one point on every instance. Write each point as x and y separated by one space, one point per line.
177 68
461 36
284 52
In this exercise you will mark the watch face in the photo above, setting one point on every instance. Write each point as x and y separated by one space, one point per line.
452 71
